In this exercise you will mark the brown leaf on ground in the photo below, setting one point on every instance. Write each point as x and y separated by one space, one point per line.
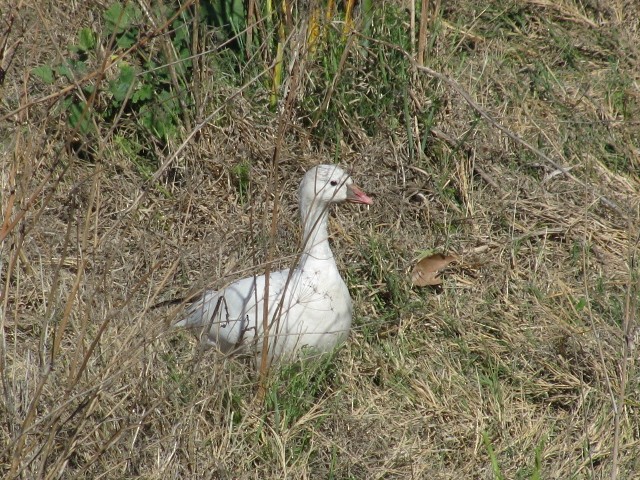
426 272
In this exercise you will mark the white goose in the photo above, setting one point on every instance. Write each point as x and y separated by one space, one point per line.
309 306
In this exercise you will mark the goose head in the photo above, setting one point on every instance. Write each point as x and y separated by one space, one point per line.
326 184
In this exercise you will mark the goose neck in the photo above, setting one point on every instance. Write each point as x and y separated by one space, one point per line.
316 237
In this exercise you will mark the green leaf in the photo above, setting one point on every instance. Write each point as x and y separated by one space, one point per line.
65 71
182 35
120 19
79 118
145 92
119 88
128 39
116 19
86 39
159 118
66 103
79 67
71 69
44 73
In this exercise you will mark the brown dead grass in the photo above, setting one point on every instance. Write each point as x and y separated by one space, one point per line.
526 351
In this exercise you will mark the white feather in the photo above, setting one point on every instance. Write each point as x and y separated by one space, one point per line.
309 306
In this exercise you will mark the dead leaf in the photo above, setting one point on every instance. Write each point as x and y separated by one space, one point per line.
426 270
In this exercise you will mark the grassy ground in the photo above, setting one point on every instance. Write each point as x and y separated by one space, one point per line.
514 143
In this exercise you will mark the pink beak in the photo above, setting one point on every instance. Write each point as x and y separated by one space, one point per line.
355 195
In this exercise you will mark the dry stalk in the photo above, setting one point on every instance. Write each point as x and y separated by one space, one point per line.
422 35
251 23
343 60
297 71
628 333
412 26
7 54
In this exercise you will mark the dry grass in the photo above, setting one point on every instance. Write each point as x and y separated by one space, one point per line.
522 365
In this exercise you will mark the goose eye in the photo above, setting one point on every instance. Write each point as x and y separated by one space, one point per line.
333 183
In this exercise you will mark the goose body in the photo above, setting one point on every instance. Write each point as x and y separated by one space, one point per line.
309 306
